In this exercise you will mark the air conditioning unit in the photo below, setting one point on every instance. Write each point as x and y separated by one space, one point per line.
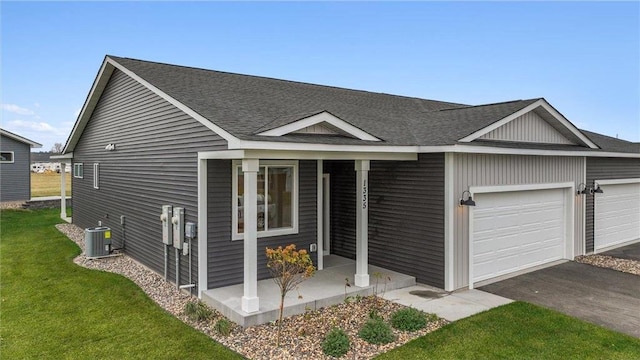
97 242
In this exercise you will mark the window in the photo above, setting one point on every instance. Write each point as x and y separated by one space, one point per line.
6 157
96 176
78 170
277 199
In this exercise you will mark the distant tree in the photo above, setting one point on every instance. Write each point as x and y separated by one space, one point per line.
57 148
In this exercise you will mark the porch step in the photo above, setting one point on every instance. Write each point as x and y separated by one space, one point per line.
326 288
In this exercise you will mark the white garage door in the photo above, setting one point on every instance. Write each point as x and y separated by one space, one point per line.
517 230
616 215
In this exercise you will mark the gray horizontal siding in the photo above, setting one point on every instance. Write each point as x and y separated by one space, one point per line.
406 215
490 170
15 178
605 169
155 163
226 256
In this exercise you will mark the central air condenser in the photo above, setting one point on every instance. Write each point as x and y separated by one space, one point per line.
97 242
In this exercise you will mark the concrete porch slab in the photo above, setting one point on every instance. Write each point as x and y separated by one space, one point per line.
325 288
451 306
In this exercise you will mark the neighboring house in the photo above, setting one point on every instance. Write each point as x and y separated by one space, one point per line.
15 177
368 176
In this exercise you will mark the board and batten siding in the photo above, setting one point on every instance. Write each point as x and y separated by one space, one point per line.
226 256
529 127
406 215
15 177
605 169
154 164
491 170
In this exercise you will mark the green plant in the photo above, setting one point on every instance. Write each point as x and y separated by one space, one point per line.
346 285
409 319
288 268
336 343
197 311
223 327
376 331
373 314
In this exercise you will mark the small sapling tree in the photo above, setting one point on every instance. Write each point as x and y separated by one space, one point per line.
289 268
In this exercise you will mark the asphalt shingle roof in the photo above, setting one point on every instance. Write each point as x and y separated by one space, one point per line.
245 105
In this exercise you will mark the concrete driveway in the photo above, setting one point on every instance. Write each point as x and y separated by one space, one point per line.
601 296
630 252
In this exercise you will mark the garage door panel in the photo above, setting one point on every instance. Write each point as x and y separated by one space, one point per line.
517 230
616 215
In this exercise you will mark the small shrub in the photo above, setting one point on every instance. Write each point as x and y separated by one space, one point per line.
223 327
336 343
197 311
376 331
373 314
409 319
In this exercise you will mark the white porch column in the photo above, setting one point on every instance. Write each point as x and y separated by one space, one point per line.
362 223
250 301
203 264
63 190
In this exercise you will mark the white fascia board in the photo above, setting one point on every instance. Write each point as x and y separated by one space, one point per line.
62 157
215 128
525 187
285 147
543 103
320 118
617 181
21 139
306 155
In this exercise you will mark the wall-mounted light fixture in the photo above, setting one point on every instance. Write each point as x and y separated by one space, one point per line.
596 189
469 201
110 147
583 189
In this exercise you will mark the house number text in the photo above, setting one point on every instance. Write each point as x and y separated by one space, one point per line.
364 194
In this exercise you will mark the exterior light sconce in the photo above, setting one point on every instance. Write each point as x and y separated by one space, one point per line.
596 189
110 147
583 189
469 201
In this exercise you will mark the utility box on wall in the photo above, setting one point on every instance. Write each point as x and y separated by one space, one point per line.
97 241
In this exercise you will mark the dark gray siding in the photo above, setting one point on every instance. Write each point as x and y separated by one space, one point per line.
155 163
406 215
605 169
15 178
226 256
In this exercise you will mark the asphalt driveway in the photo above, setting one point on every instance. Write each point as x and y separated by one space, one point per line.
601 296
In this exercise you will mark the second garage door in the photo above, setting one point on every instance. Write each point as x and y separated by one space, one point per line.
517 230
616 215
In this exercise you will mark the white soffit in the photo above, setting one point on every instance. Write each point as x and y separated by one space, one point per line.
540 103
325 120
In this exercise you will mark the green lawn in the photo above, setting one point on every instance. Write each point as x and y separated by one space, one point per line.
54 309
519 331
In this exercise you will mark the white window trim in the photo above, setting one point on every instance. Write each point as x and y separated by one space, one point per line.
75 172
234 200
96 175
13 157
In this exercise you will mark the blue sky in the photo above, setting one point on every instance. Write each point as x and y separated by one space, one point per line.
583 57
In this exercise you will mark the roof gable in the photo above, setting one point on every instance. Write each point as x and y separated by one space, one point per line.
529 127
546 112
19 138
323 123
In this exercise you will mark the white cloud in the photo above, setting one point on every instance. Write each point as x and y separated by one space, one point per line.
16 109
41 127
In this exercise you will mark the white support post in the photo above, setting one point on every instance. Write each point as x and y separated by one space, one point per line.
63 191
320 214
250 301
362 223
203 265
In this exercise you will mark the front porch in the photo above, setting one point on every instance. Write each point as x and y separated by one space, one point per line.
325 288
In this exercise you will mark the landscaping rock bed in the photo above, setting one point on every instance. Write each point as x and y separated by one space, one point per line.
302 335
5 205
609 262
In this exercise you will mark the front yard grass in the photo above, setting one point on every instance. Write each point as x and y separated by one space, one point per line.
54 309
519 331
